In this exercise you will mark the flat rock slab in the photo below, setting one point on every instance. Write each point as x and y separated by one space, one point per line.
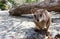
12 27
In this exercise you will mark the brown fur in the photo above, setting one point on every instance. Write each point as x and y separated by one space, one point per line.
45 20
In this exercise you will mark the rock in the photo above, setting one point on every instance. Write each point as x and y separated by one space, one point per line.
12 27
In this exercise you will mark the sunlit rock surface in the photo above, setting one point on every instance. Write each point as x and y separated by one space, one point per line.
12 27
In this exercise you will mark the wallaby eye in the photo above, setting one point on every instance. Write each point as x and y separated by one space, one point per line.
40 15
35 16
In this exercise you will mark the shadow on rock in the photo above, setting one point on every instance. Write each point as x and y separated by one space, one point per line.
39 34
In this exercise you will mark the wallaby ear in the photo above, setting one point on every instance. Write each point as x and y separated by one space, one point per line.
33 10
44 9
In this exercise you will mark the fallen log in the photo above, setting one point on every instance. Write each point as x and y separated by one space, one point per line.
27 7
22 9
